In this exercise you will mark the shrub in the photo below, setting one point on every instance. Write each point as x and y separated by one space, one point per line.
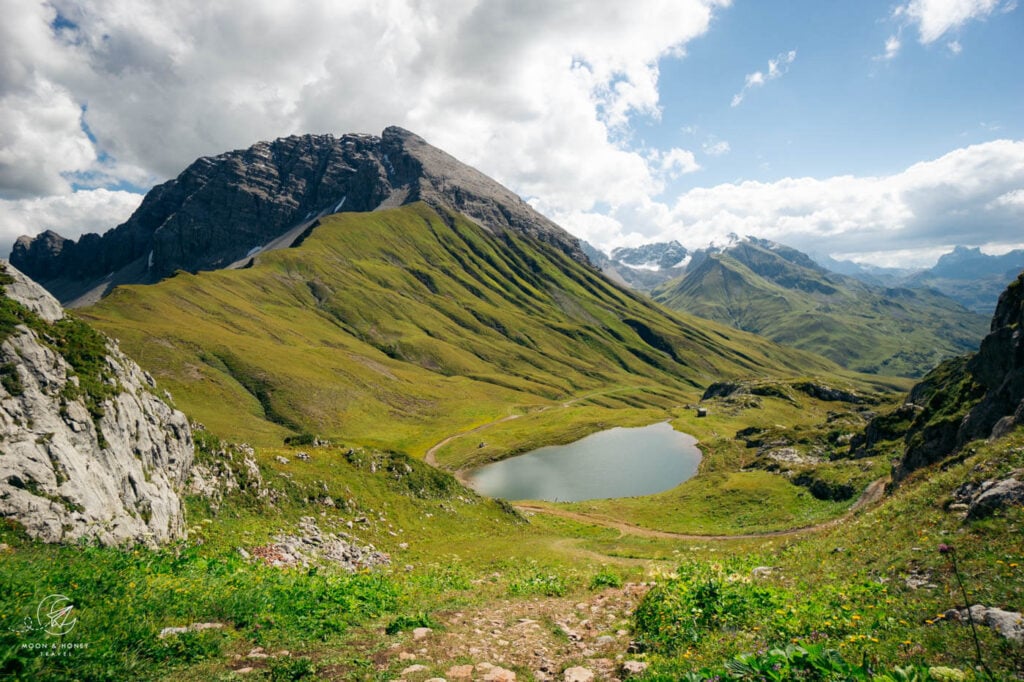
605 578
700 599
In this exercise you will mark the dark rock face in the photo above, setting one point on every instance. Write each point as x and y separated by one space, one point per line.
43 255
979 396
221 209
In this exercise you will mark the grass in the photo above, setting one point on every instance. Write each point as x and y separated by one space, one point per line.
387 333
845 591
398 328
779 294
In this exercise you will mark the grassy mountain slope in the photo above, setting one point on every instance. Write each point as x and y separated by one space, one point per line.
399 327
864 597
780 293
870 589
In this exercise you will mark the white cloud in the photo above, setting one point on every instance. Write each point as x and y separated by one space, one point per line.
70 215
892 47
1012 199
674 162
714 147
538 95
955 47
41 140
776 68
935 18
972 196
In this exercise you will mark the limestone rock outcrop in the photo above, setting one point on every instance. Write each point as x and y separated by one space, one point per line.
79 462
963 399
224 209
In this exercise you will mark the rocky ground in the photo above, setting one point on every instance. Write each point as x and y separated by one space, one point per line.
543 638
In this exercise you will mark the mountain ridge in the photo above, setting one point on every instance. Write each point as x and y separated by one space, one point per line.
777 291
406 312
226 208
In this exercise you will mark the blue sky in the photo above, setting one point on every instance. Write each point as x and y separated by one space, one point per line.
838 109
886 132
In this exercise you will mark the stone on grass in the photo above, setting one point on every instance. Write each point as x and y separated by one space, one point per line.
460 672
578 674
418 668
1009 624
634 668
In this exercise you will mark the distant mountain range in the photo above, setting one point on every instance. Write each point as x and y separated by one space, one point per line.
773 290
970 277
643 267
965 274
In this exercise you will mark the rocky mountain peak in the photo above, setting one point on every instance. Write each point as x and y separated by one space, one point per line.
89 451
222 210
654 256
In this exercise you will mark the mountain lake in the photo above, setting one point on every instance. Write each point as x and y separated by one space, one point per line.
619 462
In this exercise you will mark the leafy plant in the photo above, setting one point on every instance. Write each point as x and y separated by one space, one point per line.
809 662
403 623
286 669
700 599
533 580
606 577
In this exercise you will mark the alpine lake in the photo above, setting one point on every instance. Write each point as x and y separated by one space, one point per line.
619 462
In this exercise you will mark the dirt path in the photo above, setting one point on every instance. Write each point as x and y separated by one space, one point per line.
508 639
430 458
870 495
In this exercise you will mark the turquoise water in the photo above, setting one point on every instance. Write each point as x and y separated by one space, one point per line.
619 462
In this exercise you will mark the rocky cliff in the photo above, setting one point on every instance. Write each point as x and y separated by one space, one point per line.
87 449
221 210
965 399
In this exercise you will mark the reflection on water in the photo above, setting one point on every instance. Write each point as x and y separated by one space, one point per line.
619 462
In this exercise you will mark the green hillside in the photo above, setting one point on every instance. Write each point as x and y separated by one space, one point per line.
784 558
777 292
397 328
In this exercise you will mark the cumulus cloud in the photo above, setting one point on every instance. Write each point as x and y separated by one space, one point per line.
972 196
41 140
539 95
675 162
776 68
935 18
70 215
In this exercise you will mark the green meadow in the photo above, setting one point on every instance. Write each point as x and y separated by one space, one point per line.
363 370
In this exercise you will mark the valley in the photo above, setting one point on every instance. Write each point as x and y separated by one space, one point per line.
333 393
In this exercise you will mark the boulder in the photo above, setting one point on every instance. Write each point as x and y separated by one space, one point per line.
578 674
1000 494
1009 624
